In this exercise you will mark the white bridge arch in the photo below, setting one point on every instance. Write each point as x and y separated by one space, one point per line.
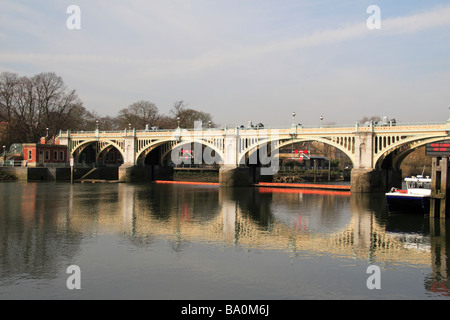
367 147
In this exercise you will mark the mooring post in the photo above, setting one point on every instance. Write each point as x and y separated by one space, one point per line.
439 185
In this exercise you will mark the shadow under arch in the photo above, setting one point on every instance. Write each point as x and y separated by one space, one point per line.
275 145
95 150
164 148
393 157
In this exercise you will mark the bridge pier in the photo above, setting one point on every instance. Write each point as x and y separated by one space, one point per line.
132 173
367 180
375 180
232 176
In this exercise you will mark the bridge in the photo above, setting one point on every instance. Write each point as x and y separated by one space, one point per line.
375 151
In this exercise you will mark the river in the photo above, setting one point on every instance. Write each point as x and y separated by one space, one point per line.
202 242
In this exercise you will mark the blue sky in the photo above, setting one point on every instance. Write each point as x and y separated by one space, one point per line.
252 60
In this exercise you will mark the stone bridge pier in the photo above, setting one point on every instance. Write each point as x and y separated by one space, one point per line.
365 176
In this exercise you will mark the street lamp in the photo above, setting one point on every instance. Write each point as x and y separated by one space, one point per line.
178 121
47 132
321 119
96 124
4 153
209 124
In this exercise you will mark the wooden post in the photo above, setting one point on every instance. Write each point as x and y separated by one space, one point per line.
439 185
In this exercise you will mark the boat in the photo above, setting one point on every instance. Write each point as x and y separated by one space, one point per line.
416 197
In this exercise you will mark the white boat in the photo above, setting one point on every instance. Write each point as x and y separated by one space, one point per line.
415 198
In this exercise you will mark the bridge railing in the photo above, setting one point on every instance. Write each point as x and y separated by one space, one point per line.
230 129
11 163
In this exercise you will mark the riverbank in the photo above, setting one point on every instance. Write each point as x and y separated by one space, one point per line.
7 177
109 174
196 176
304 176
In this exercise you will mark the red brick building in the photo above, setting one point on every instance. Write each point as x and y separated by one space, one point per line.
44 153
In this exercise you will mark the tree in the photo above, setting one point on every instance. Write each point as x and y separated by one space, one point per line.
139 114
55 104
167 122
8 82
188 116
31 105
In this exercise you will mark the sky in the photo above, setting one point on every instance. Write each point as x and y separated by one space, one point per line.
241 60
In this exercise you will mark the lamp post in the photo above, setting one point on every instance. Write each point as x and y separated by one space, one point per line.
96 124
209 124
293 118
321 119
4 153
178 121
47 132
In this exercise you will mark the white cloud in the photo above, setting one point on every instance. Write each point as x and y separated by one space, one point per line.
164 52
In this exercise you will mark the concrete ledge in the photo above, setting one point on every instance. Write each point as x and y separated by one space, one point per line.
21 173
57 174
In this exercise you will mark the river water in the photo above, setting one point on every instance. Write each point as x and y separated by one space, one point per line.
196 242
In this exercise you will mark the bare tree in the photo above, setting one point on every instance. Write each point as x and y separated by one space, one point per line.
187 116
167 122
138 115
31 105
8 82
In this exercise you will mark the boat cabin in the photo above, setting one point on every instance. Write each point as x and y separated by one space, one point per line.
418 183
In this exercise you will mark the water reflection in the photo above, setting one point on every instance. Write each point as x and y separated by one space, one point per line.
44 225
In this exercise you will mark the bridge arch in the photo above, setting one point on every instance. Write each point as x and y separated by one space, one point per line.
400 150
343 146
167 145
100 147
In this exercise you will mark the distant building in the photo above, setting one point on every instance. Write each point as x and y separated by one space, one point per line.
44 153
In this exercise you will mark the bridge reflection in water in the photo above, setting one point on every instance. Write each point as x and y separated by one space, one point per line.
294 221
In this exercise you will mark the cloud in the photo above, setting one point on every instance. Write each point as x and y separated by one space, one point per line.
210 54
229 52
438 17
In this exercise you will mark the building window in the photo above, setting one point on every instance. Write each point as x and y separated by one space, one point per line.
47 155
55 155
61 155
30 155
